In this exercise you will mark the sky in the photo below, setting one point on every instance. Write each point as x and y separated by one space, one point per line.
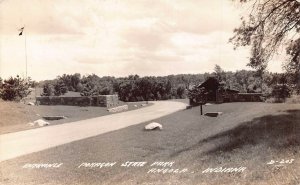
119 37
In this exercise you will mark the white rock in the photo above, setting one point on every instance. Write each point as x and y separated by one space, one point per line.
118 109
143 105
30 103
153 125
208 104
135 106
41 122
31 124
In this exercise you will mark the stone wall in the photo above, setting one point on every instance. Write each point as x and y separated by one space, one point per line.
234 97
249 97
101 101
242 97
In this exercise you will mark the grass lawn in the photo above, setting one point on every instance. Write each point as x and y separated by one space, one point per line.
16 116
246 135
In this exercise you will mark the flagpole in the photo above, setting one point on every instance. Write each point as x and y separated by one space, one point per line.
25 54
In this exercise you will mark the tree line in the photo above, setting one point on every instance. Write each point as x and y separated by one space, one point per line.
136 88
131 88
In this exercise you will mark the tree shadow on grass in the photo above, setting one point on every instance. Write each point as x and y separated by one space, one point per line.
275 131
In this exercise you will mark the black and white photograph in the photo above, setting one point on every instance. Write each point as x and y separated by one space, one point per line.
150 92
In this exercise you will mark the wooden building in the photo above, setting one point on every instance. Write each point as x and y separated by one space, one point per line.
216 93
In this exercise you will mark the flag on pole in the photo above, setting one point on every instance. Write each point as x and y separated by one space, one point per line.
21 31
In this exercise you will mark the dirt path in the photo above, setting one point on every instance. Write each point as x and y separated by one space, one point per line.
29 141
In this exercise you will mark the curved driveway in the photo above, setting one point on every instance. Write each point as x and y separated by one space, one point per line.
25 142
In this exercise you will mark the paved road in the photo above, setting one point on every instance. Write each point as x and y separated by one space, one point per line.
25 142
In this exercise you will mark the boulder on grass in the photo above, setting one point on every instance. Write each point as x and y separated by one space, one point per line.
31 124
41 123
30 103
118 109
153 126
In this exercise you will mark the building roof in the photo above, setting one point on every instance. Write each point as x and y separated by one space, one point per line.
250 93
232 91
210 84
213 84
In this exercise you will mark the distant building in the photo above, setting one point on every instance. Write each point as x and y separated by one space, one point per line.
216 93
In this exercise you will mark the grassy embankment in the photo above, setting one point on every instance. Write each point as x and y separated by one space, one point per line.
16 116
247 134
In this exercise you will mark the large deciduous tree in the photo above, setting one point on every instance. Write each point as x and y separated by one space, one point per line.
219 73
269 25
292 66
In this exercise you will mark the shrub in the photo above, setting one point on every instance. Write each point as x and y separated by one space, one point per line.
180 91
281 91
89 90
197 95
15 89
293 99
60 88
48 90
274 100
79 87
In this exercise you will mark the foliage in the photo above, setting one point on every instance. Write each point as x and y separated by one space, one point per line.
15 88
93 85
48 90
136 88
88 89
180 91
70 81
281 92
79 87
267 26
219 73
60 88
295 99
198 95
293 64
31 83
